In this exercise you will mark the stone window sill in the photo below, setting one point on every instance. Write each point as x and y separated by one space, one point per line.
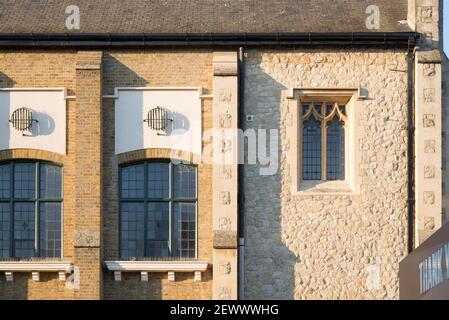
35 268
325 188
145 267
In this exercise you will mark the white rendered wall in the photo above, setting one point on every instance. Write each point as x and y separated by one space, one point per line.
48 107
183 106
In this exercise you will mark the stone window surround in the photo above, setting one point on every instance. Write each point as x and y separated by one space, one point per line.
63 268
351 97
145 267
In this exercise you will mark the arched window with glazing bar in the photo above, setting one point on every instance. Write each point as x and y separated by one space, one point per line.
323 141
158 210
30 210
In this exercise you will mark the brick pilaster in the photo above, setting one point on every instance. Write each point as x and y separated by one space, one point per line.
88 177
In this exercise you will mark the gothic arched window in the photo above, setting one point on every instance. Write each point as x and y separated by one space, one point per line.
323 141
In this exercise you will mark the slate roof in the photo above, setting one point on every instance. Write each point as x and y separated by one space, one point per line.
201 16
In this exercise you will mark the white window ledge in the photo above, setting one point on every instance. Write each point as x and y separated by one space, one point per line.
35 268
145 267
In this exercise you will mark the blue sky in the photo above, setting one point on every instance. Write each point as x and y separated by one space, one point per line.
446 27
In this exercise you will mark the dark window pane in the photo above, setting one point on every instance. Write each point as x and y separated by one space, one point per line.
5 232
50 181
158 221
24 230
158 180
157 249
132 181
311 149
305 109
184 181
335 150
5 181
50 230
158 229
185 230
25 180
318 108
132 230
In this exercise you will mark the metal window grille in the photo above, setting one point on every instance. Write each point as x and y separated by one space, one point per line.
22 120
157 119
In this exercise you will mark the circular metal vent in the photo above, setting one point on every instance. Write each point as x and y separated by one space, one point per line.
157 119
22 119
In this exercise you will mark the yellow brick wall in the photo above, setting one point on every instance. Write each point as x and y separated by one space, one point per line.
24 288
162 68
121 68
41 69
158 287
